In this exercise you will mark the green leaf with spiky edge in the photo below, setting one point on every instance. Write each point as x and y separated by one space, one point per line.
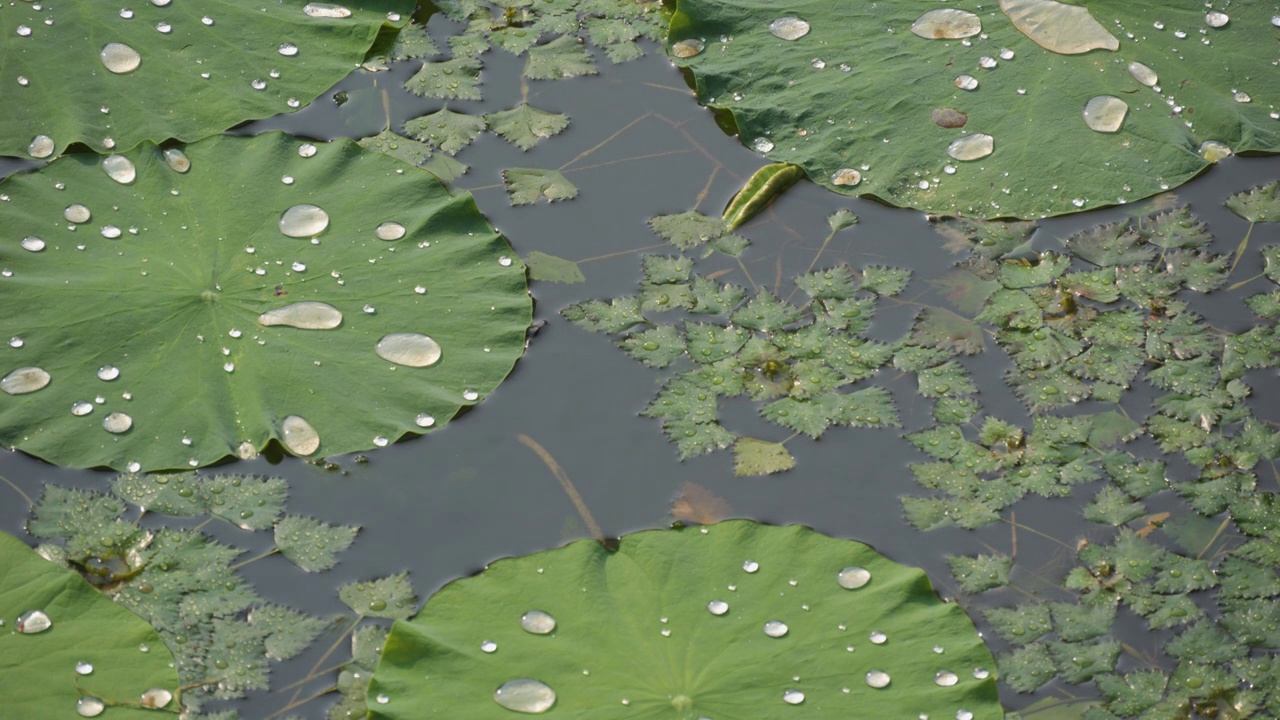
730 244
1254 623
1074 622
1181 575
415 153
688 229
391 597
1133 693
1197 271
656 347
710 298
1111 364
697 438
1210 497
987 238
1163 611
1011 308
1205 642
613 316
956 409
868 407
549 268
1112 506
811 417
1023 624
1256 348
87 516
766 312
1271 258
1111 428
525 126
513 39
1177 228
1026 668
1110 246
709 343
1265 305
831 284
455 79
235 654
413 42
663 269
1176 435
1097 285
286 632
981 572
945 330
914 358
949 378
841 219
998 432
885 281
1041 270
1244 579
760 457
665 297
311 544
1046 389
683 399
367 643
1079 662
1040 348
527 186
469 44
562 57
1260 204
942 442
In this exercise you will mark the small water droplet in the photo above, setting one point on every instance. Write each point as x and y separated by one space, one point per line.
964 715
409 349
966 82
818 64
981 673
986 62
207 21
390 231
1006 54
164 28
108 372
878 679
156 698
688 48
89 706
525 695
1213 150
1241 96
16 342
775 628
750 566
853 577
32 243
82 408
119 58
84 668
846 176
76 213
177 160
382 699
24 31
789 28
879 638
306 150
380 441
1143 74
302 221
717 607
792 697
24 380
945 678
303 315
489 646
424 420
117 422
762 144
1105 113
504 261
258 84
287 49
298 436
326 10
298 267
537 622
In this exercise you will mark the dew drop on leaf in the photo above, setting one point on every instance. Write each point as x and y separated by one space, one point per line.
409 349
687 48
41 146
117 422
287 49
298 436
847 177
945 678
525 695
84 668
1216 19
789 28
1105 113
32 243
537 622
971 147
879 638
793 697
489 646
302 221
762 144
750 566
308 315
119 58
156 698
1143 74
177 160
878 679
326 10
390 231
80 409
853 577
306 150
947 24
775 628
89 706
424 420
717 607
24 380
76 213
966 82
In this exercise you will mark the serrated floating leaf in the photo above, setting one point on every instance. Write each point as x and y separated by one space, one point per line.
311 544
549 268
38 667
286 631
525 126
759 191
981 572
693 647
1007 160
446 129
841 219
155 305
454 79
415 153
389 597
154 72
945 330
527 186
1261 204
563 57
760 457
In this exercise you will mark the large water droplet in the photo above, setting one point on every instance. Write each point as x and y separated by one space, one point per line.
762 144
1143 74
156 698
750 566
846 176
326 10
525 695
966 82
287 49
84 667
177 160
879 638
789 28
411 349
117 422
853 577
389 231
41 146
304 315
947 24
687 48
1105 113
89 706
1213 150
119 58
302 221
1216 19
119 168
537 622
33 621
775 628
964 715
24 380
81 408
298 436
972 147
32 243
306 150
878 679
489 646
424 420
717 607
946 678
76 213
108 372
792 697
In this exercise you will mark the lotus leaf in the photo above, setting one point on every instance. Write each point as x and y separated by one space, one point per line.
192 314
94 73
39 671
735 620
1025 108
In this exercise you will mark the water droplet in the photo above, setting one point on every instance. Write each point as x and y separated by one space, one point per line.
117 422
750 566
1216 19
16 342
489 646
144 648
164 28
298 436
382 699
775 628
207 21
302 221
537 622
964 715
878 679
287 49
846 176
717 607
853 577
32 243
409 349
1105 113
119 58
298 267
762 144
1213 151
947 24
504 261
380 441
89 706
1143 74
84 668
304 315
986 62
156 698
119 168
971 147
966 82
981 673
24 380
258 84
390 231
33 621
525 695
82 408
945 678
76 213
687 48
792 697
424 420
306 150
1006 54
41 146
24 31
818 64
949 169
879 638
326 10
789 28
1241 96
177 160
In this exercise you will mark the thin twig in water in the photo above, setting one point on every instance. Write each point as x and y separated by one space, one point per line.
606 141
565 483
620 253
706 188
1046 536
1240 250
17 489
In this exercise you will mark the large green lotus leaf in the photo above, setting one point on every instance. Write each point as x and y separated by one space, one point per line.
200 67
860 92
38 671
680 624
169 313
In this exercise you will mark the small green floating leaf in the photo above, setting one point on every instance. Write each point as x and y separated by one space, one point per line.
981 572
760 457
390 597
455 79
945 330
446 129
884 281
1261 204
353 679
717 652
527 186
1027 668
549 268
1020 625
762 188
311 544
287 631
841 219
525 126
656 347
563 57
1113 506
688 229
415 153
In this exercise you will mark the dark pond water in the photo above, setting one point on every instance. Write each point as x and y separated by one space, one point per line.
639 145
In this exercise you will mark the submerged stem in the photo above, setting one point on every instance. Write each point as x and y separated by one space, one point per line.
268 553
1241 248
17 489
565 483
